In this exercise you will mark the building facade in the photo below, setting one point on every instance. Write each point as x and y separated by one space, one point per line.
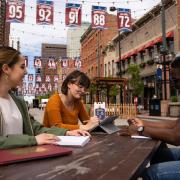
143 47
93 42
56 51
4 26
73 40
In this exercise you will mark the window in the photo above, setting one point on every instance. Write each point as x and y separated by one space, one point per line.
113 70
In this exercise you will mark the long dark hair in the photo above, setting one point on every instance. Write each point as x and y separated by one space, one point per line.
75 77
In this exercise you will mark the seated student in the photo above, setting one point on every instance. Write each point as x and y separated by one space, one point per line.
17 129
166 162
64 110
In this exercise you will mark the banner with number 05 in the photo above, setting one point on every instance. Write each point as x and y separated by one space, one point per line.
15 10
98 17
73 14
124 19
44 12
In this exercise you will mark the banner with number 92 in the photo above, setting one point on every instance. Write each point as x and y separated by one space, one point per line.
124 19
73 14
44 12
98 17
15 10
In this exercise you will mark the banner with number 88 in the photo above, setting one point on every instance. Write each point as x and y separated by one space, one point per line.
15 10
44 12
98 17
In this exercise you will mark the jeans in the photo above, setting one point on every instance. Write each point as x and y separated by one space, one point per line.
165 165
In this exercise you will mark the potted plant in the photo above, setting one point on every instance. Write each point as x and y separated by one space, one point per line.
174 107
150 62
142 65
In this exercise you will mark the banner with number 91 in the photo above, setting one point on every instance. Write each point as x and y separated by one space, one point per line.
73 14
15 10
124 19
44 12
98 17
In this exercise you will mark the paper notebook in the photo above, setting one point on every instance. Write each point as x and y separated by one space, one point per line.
78 141
9 156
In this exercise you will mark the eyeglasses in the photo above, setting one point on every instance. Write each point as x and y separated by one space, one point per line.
80 86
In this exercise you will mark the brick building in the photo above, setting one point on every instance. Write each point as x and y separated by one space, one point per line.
93 41
4 26
51 50
143 47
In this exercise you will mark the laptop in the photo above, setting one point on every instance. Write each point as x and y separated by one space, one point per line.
106 125
9 156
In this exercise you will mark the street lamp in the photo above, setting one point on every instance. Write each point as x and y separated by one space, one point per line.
164 50
112 9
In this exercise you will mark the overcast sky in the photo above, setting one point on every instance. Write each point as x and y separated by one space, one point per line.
32 36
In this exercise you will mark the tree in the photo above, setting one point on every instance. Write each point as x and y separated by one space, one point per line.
113 92
135 82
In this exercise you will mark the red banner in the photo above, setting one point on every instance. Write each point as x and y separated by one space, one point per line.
38 78
56 78
26 61
37 62
15 10
124 19
30 77
51 63
73 14
48 79
98 17
45 12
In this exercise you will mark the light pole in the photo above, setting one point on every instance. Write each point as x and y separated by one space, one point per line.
164 47
119 62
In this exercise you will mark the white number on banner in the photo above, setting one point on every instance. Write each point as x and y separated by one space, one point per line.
44 15
15 11
99 19
124 21
73 17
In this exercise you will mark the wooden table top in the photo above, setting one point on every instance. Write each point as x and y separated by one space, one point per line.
105 157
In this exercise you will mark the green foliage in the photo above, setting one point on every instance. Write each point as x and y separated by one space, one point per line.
114 90
174 99
135 81
45 96
93 88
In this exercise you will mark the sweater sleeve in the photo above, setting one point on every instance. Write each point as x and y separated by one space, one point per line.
83 115
14 141
53 114
39 129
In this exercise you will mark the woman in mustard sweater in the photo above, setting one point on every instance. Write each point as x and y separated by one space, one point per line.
17 128
63 110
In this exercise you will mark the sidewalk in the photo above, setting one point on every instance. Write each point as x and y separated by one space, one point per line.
38 115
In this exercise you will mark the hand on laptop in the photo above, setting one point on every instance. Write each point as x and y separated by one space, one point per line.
91 123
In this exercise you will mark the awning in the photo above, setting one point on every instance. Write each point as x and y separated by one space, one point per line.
144 46
157 40
141 48
149 44
170 34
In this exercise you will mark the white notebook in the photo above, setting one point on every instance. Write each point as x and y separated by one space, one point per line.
78 141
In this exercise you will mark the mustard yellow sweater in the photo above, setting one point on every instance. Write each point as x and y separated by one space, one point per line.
56 114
